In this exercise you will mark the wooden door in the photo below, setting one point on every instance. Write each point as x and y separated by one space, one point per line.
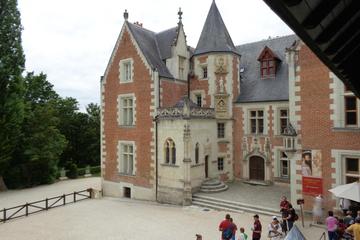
257 168
206 166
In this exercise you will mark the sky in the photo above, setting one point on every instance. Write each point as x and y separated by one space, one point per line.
71 40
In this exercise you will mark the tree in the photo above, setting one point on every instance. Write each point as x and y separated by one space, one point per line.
93 134
12 61
36 158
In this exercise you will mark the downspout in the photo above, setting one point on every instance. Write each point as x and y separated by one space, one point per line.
156 76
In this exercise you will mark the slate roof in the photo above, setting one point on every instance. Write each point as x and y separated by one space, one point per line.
214 36
155 47
165 40
252 87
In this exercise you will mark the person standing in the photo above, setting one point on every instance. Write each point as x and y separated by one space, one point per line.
355 229
243 235
291 217
225 228
331 224
284 204
348 219
256 235
275 232
234 229
344 205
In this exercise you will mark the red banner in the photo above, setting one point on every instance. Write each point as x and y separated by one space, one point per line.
312 186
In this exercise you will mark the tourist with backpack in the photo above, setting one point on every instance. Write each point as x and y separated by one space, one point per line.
226 228
234 229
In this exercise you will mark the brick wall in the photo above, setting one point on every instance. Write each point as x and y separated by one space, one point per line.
141 132
316 126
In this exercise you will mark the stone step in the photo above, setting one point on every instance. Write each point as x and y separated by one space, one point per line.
226 205
212 182
221 185
214 189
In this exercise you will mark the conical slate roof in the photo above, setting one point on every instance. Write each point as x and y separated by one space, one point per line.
214 36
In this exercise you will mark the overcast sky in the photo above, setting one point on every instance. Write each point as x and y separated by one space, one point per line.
72 40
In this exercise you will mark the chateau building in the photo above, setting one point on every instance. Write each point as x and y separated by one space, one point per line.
265 112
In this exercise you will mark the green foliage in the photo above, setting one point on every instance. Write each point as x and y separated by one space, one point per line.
82 130
12 62
36 158
72 171
96 169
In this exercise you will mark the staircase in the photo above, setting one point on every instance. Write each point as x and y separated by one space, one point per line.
231 206
213 186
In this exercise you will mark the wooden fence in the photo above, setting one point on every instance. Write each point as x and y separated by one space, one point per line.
27 209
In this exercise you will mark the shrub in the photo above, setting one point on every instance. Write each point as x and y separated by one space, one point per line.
96 169
72 171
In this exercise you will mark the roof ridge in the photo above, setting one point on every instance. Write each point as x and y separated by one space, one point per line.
166 30
142 28
266 40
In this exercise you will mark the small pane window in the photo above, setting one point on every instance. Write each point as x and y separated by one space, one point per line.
126 111
351 112
126 159
197 153
284 165
220 164
199 100
257 121
221 130
283 120
352 171
352 165
205 72
170 152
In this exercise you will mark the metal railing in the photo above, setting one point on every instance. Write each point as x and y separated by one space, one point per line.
27 209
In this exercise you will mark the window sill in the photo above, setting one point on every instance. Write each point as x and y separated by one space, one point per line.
197 165
127 175
257 134
124 82
169 165
223 140
346 129
127 126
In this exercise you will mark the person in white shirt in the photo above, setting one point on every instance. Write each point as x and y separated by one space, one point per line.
275 231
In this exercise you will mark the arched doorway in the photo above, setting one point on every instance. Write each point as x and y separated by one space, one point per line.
257 168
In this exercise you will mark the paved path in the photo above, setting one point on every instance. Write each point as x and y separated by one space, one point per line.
116 218
13 198
120 219
267 196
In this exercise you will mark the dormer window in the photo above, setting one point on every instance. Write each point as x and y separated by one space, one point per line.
268 61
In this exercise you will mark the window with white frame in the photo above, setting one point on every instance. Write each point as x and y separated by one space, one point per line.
126 164
257 121
284 165
352 171
182 61
204 72
283 119
351 111
170 152
126 70
126 110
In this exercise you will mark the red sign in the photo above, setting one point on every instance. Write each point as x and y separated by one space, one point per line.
312 185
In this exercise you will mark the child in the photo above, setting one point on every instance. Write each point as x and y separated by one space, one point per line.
242 235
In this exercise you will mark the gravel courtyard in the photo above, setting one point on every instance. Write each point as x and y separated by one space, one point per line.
113 218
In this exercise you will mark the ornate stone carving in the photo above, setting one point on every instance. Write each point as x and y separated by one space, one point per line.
174 112
221 64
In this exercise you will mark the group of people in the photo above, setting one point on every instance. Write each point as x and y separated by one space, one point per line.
228 229
277 228
347 227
